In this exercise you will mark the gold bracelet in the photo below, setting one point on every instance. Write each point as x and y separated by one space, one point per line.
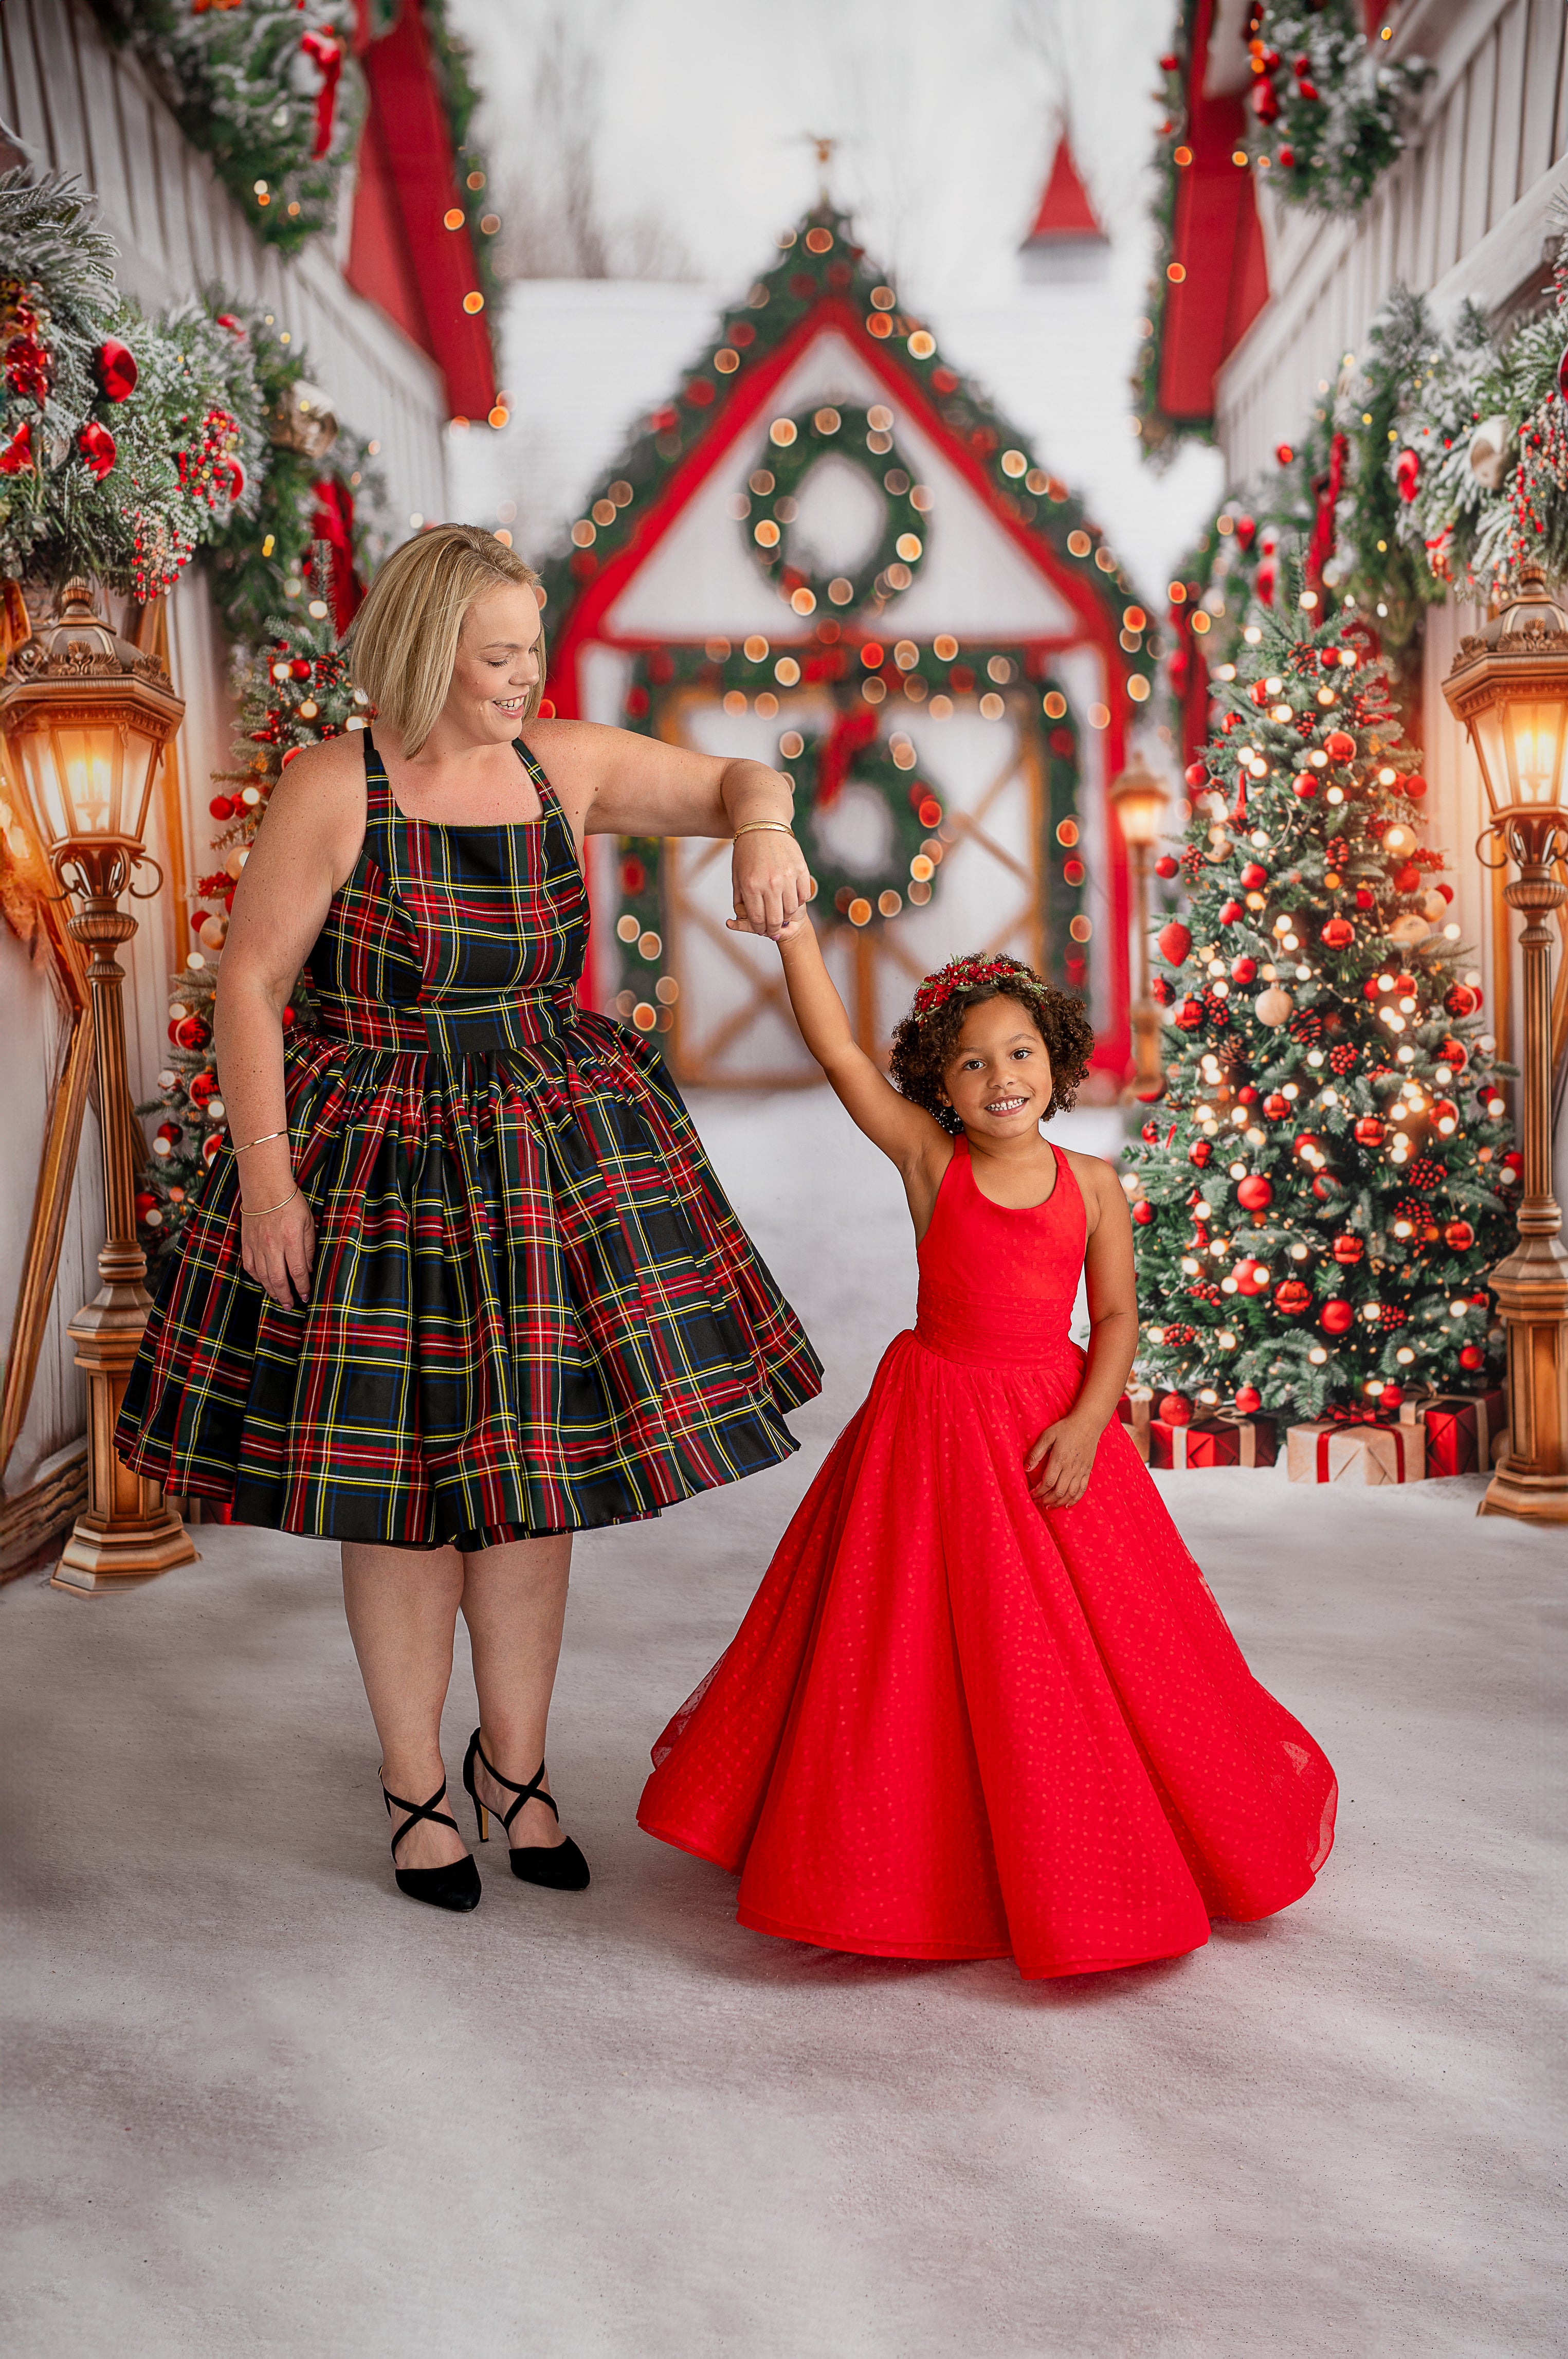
261 1213
261 1141
774 826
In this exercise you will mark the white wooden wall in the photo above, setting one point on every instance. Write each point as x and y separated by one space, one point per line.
79 104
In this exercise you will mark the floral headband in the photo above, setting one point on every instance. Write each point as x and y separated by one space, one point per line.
969 974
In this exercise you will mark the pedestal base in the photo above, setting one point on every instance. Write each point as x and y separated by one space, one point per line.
92 1563
1534 1499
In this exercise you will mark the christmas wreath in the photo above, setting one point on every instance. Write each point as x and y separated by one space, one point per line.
1330 106
770 504
870 820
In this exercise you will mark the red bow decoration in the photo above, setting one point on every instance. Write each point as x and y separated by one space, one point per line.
333 523
1328 488
326 52
850 735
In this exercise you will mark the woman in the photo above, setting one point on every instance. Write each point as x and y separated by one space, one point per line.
465 1284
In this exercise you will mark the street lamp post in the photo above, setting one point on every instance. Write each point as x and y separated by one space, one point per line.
84 718
1137 798
1509 687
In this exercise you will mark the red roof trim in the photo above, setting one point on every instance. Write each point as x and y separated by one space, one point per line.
1216 240
1066 210
405 260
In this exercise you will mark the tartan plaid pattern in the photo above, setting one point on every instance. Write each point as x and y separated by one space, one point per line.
532 1308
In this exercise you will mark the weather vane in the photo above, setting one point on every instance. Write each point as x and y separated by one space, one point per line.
824 144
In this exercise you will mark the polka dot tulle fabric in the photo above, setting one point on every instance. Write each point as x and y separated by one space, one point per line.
955 1725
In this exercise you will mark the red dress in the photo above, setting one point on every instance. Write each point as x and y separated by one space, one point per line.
953 1725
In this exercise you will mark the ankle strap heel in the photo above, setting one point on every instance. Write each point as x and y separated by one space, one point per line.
457 1884
559 1867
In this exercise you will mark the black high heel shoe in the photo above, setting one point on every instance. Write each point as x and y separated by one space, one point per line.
560 1866
457 1884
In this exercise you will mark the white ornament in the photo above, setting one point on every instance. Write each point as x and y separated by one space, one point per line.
1408 930
1491 452
1273 1005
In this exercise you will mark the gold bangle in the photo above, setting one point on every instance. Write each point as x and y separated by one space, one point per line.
774 826
261 1141
262 1211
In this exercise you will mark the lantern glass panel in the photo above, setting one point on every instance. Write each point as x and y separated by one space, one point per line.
88 779
1140 804
1536 729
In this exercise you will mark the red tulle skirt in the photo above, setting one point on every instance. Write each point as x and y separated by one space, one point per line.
955 1726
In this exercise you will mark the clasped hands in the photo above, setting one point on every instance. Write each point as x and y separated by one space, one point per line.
771 884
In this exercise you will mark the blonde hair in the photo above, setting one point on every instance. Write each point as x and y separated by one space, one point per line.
403 643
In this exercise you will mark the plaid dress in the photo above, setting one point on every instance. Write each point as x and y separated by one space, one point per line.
532 1308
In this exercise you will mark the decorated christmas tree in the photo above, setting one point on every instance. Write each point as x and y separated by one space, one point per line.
1327 1183
295 693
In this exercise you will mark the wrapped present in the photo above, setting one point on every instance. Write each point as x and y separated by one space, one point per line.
1134 1409
1461 1429
1225 1440
1362 1449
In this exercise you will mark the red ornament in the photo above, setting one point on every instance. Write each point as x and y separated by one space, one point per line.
96 445
1283 452
1338 934
1150 1133
1244 970
1190 1015
1415 785
220 807
1286 158
1264 101
1306 1144
1471 1356
232 477
1201 1152
1370 1130
1292 1298
117 369
146 1204
1196 774
1255 1193
1365 897
1339 746
1246 1094
1174 942
1458 1236
1254 877
1337 1316
1232 914
1305 787
1347 1251
1246 533
201 1088
1248 1400
1407 474
1174 1409
1462 999
1407 878
16 457
1143 1213
1276 1106
1251 1278
1166 867
1455 1053
189 1032
1259 693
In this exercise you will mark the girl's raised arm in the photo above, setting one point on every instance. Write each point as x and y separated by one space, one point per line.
910 1137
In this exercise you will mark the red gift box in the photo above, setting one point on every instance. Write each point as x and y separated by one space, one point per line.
1223 1441
1460 1430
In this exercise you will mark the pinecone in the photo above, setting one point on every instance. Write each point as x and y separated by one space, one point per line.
1306 1027
1425 1175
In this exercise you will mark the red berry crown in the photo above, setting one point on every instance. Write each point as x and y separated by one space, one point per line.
971 974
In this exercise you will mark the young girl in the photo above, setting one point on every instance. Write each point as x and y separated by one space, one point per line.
984 1701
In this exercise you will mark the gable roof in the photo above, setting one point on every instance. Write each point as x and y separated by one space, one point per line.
824 283
1065 209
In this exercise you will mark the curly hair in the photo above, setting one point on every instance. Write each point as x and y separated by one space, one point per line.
926 1042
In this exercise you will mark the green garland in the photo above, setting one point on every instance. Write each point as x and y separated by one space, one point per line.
129 444
244 86
1453 469
1330 107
